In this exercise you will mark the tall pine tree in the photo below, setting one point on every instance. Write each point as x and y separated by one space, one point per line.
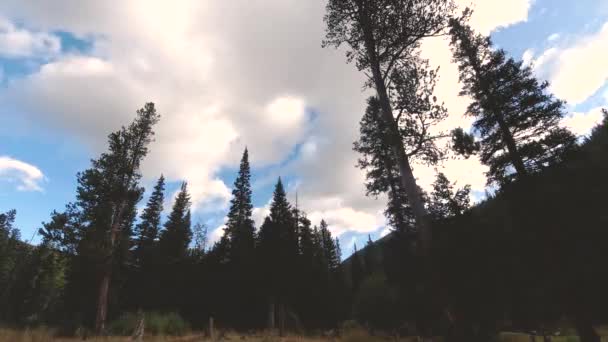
148 228
106 195
383 37
176 236
239 226
515 116
278 249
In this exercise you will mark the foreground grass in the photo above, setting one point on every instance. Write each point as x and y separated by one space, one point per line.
46 335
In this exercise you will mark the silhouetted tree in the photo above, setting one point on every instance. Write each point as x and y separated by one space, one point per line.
107 194
383 36
177 234
278 250
148 228
516 118
444 201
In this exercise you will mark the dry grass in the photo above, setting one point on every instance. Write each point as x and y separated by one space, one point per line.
355 335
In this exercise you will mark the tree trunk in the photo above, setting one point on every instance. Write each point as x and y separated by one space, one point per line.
518 163
211 329
102 302
104 288
271 315
408 181
281 319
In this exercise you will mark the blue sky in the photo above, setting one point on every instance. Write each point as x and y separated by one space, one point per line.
226 76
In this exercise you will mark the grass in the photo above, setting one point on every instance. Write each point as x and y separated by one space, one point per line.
355 335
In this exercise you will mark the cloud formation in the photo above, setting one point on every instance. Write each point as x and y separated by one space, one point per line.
578 70
582 123
27 177
226 75
18 42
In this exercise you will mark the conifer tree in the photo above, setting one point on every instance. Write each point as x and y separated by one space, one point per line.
176 236
147 230
107 194
278 249
383 36
306 240
240 227
444 201
515 116
370 257
329 247
357 270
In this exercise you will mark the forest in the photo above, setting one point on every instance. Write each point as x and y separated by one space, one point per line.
529 258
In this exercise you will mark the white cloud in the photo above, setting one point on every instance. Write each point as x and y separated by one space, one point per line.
583 123
528 57
226 75
17 42
216 234
489 15
578 70
27 176
553 37
385 231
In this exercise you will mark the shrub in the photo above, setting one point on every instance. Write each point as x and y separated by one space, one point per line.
155 324
376 303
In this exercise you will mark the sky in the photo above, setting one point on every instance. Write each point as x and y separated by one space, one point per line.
226 75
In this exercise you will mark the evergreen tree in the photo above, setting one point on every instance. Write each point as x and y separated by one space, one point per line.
106 195
338 251
240 227
444 202
515 116
175 238
382 171
370 257
329 247
278 249
357 270
148 228
383 37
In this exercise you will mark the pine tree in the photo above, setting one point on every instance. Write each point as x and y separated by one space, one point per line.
444 202
240 227
383 37
370 257
357 270
382 172
278 249
306 240
147 230
515 116
176 236
106 195
329 247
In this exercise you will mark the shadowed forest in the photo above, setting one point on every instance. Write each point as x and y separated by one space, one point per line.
528 260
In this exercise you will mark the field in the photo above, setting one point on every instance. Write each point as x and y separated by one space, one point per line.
44 335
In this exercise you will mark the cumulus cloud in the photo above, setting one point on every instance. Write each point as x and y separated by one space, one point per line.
27 177
553 37
583 123
18 42
578 70
489 15
226 75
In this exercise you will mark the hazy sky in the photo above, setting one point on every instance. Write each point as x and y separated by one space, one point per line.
230 74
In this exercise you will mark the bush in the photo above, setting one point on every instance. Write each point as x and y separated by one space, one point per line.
155 324
376 303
